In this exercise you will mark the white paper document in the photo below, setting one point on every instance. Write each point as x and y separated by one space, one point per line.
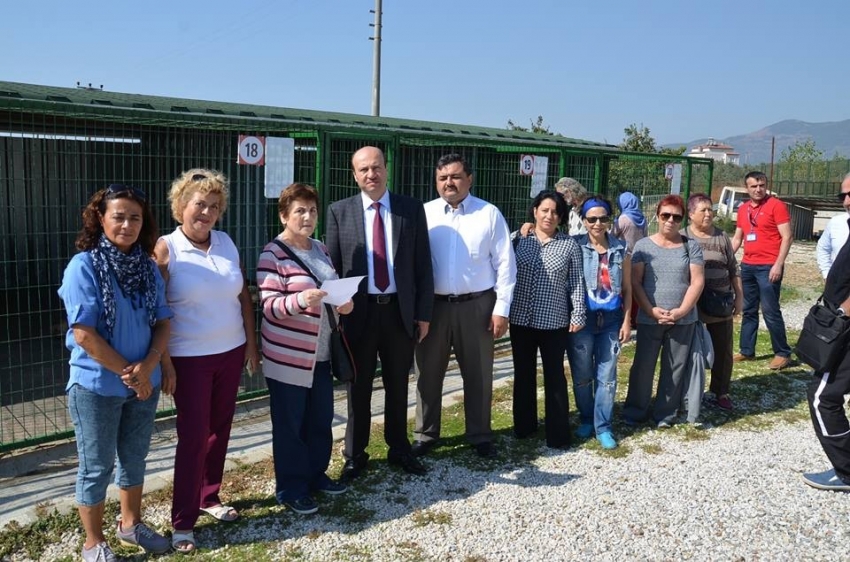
340 291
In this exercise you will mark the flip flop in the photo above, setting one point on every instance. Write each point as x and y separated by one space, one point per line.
183 541
224 513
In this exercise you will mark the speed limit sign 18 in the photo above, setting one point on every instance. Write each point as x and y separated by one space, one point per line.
252 150
526 164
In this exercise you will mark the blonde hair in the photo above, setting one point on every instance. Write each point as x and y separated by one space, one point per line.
193 181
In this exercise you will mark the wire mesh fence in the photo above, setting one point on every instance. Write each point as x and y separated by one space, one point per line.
52 161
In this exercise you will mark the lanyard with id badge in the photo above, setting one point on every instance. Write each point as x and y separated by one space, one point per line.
751 236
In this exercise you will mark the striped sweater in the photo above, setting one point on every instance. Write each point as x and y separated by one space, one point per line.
289 333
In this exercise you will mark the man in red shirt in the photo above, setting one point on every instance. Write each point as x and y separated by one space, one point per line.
764 229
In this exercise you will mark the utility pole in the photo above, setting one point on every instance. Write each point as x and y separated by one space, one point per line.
376 61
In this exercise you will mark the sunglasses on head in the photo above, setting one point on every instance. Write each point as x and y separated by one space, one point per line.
593 220
667 216
117 189
843 196
199 177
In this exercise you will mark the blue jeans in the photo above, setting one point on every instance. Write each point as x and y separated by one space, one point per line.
593 353
302 435
759 290
104 426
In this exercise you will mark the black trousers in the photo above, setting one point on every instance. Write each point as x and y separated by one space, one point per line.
386 337
721 341
826 404
552 343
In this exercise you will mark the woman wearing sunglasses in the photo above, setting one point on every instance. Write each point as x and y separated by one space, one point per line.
119 321
594 350
212 338
548 303
667 279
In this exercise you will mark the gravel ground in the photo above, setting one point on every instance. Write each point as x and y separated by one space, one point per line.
735 495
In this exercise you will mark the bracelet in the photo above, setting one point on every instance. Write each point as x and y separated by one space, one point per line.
155 350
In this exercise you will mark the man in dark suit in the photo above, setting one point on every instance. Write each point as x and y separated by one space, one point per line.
383 236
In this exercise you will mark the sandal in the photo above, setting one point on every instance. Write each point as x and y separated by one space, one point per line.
183 541
222 513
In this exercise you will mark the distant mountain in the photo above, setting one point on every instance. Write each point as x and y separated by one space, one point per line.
754 148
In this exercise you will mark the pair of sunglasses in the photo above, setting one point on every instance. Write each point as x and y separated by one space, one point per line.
593 220
842 196
117 189
667 216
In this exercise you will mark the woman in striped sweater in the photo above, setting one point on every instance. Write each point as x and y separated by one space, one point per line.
295 341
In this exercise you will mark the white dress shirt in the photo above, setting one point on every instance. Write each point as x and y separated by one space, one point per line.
471 250
369 216
830 242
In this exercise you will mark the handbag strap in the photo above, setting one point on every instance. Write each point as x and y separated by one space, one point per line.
291 255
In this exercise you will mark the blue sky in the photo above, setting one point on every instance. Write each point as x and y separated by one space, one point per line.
590 67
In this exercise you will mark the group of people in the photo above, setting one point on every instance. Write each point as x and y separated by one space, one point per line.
440 278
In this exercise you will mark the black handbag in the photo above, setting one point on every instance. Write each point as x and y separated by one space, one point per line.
342 360
719 304
824 337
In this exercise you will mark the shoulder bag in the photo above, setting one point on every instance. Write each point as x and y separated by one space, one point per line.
719 304
342 360
824 338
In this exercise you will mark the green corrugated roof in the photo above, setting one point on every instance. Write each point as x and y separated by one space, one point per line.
165 110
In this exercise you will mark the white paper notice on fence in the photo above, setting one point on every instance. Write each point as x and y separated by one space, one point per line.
340 291
676 180
280 165
538 178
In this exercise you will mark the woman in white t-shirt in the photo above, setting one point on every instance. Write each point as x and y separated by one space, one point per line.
212 337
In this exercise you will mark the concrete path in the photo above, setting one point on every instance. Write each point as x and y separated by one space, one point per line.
44 477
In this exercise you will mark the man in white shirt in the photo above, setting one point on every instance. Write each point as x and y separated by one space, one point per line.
474 277
836 232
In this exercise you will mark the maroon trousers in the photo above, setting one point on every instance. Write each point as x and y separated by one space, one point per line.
206 401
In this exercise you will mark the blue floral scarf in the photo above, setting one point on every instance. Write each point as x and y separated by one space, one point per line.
134 273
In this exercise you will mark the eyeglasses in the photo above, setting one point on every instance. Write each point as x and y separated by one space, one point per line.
667 216
117 189
843 195
199 177
593 220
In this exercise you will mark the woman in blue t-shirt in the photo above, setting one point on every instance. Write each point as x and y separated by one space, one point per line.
593 351
118 324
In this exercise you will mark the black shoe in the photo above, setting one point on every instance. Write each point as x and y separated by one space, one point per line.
422 448
408 463
485 450
303 506
352 469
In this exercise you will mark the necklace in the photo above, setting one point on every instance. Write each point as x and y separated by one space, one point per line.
195 242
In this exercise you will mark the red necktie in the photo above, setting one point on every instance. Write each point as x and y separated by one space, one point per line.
379 250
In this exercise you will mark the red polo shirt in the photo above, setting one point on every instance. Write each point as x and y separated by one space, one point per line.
762 220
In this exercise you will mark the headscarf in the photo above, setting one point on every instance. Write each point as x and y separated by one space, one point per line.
592 202
630 206
134 273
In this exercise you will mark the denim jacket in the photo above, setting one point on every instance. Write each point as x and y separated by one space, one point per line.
590 260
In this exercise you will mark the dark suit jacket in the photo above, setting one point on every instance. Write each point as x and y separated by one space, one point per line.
414 277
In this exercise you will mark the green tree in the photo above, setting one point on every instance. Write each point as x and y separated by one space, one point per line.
801 151
643 176
638 139
537 127
802 161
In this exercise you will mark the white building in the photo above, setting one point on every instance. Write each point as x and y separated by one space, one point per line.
716 151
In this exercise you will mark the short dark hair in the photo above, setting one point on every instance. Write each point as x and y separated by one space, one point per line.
560 205
296 191
447 159
696 199
755 175
670 201
89 235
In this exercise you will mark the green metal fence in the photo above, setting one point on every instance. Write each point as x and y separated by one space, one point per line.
57 146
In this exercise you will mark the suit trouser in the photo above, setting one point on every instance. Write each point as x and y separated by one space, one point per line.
826 405
384 336
524 345
461 326
674 343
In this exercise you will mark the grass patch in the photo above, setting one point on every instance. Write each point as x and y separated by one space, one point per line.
424 517
651 448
